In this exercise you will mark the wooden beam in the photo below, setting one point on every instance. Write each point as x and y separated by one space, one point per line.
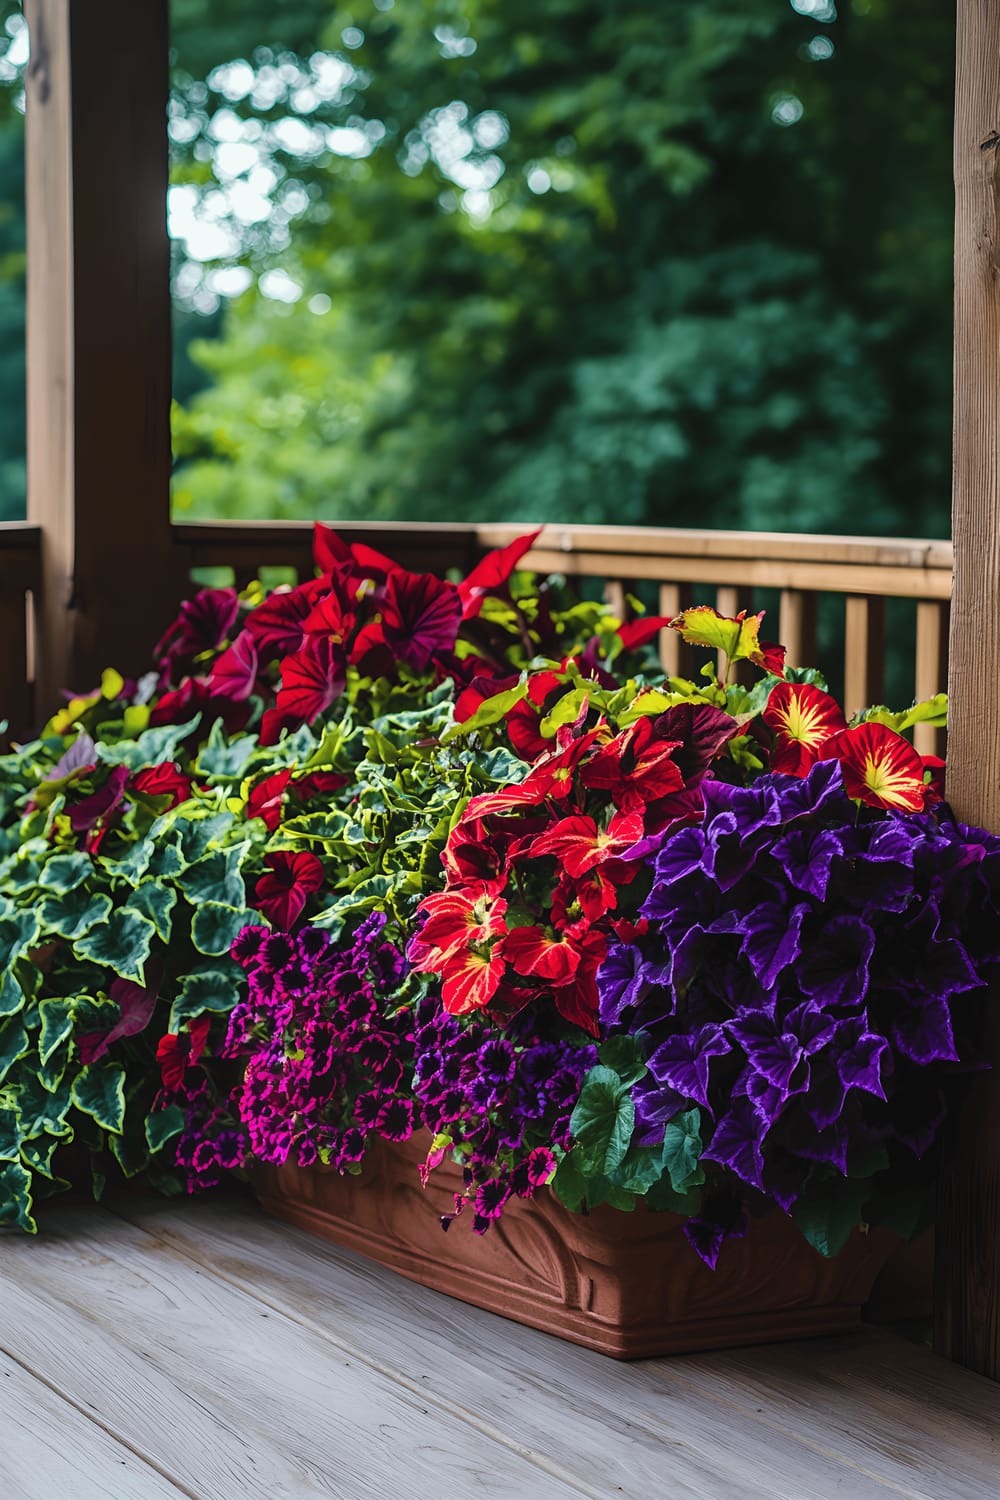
967 1314
99 356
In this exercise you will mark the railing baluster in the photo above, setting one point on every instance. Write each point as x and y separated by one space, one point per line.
797 627
930 668
670 641
614 597
864 651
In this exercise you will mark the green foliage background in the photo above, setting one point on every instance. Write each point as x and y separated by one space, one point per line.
708 281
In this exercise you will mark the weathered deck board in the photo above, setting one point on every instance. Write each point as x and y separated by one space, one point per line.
49 1448
243 1358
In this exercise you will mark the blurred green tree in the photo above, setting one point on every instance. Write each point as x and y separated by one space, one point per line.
675 263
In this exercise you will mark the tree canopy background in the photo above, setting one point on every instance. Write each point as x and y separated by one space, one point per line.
643 261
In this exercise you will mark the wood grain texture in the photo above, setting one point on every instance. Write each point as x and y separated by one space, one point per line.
227 1396
697 1428
968 1253
98 334
49 1449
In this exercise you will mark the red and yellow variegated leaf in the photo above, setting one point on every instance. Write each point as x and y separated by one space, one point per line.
803 718
532 951
879 767
471 980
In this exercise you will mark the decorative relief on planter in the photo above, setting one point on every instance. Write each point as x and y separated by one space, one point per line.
628 1285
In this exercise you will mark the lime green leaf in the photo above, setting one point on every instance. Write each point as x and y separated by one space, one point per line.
156 902
64 872
682 1147
74 914
121 944
215 990
933 711
164 1126
566 711
490 712
99 1091
14 1043
602 1122
216 925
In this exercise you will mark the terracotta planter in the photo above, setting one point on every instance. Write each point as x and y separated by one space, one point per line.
626 1284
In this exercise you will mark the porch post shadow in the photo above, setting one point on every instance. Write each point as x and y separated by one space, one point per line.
99 355
967 1292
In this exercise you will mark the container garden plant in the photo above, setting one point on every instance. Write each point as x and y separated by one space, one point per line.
440 908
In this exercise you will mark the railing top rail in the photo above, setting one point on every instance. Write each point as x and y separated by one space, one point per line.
640 541
20 536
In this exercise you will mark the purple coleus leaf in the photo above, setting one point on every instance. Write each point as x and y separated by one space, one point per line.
822 791
834 968
702 732
626 978
81 756
682 1061
85 813
806 857
681 854
778 1048
772 939
922 1030
136 1004
753 808
721 1219
737 1142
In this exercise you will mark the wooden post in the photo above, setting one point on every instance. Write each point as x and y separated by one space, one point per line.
99 356
967 1320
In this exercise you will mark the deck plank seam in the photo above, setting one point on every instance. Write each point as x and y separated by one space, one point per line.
96 1421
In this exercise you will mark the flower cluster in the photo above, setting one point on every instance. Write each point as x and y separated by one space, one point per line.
502 1100
535 870
806 974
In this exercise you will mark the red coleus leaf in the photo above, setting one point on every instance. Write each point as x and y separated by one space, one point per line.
933 777
471 979
334 614
471 860
524 719
479 690
265 798
311 680
493 572
803 719
420 616
537 953
136 1004
330 551
234 674
318 784
278 624
879 767
178 1051
699 731
203 623
578 903
281 894
165 780
579 845
636 633
635 767
455 919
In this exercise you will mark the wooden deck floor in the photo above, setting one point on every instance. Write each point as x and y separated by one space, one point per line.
200 1350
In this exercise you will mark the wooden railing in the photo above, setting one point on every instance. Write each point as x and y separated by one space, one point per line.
851 581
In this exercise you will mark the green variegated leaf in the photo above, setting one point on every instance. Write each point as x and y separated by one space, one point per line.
99 1091
11 994
10 1134
43 1111
164 1126
215 878
37 1155
151 748
216 990
156 902
216 925
15 1197
121 943
63 872
17 935
223 759
14 1043
73 914
136 862
57 1017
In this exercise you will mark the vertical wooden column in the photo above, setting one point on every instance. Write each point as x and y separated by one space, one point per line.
99 356
968 1229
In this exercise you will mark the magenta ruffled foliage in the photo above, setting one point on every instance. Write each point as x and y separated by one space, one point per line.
809 976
